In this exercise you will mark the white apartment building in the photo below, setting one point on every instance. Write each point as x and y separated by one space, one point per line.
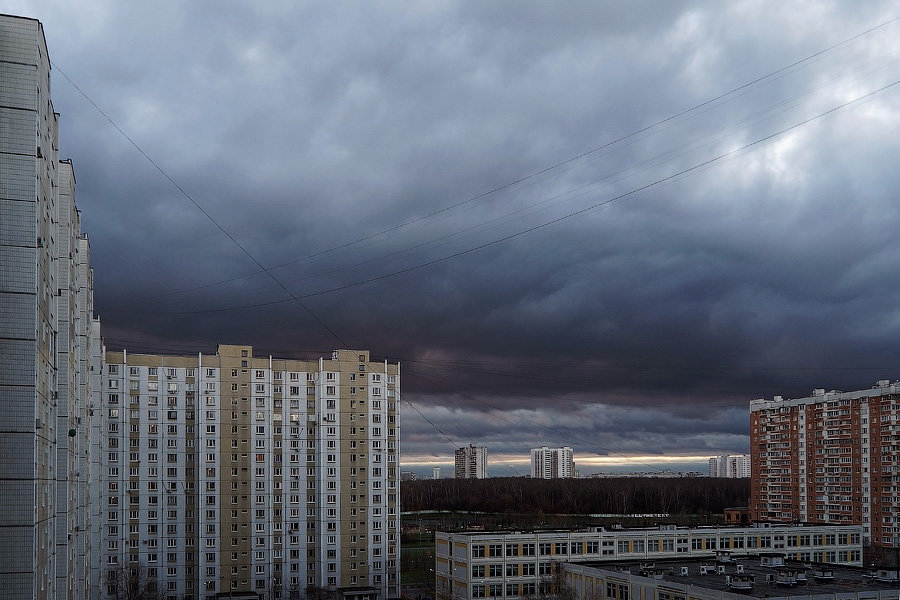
250 477
470 462
730 465
48 337
201 476
552 463
514 564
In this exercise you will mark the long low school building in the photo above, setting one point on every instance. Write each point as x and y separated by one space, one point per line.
514 564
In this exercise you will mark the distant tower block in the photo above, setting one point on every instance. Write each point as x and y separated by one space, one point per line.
436 473
552 463
470 463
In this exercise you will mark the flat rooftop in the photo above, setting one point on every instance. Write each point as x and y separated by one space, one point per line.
762 528
839 579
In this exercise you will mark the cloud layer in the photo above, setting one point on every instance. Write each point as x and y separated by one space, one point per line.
442 183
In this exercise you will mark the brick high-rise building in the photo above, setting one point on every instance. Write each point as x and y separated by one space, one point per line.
833 457
241 476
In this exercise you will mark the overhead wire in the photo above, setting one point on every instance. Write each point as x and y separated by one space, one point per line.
565 196
205 213
554 372
430 422
741 88
631 193
573 193
297 298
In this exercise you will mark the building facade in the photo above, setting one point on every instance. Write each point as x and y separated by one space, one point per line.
832 457
48 337
552 463
730 465
470 462
514 564
244 476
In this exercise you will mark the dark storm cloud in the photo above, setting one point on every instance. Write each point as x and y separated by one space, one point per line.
641 327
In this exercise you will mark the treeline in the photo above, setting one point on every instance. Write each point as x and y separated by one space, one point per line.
627 495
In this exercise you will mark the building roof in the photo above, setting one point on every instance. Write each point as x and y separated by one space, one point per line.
832 579
761 528
881 388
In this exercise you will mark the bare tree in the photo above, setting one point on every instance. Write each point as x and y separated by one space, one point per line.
293 592
554 587
132 582
551 496
314 592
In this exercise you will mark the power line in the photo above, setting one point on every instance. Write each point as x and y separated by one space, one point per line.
553 167
203 210
622 196
565 196
430 422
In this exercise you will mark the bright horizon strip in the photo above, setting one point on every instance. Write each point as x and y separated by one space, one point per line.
639 461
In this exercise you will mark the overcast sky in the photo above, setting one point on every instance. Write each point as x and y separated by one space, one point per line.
607 225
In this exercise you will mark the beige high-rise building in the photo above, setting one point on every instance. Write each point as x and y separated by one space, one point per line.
48 335
240 476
